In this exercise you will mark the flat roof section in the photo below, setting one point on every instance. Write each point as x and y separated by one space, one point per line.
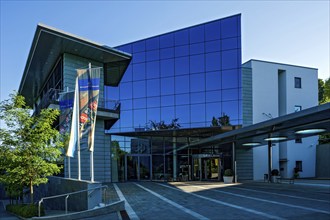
49 44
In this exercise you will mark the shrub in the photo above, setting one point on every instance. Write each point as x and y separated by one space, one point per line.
275 172
25 210
228 172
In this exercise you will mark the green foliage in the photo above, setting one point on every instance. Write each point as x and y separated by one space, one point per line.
25 211
162 126
324 90
228 172
30 146
224 120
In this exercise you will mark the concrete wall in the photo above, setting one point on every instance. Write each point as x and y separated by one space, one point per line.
322 161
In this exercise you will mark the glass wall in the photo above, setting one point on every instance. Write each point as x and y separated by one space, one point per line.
193 74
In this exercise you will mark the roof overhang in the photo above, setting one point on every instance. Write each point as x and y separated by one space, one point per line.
49 44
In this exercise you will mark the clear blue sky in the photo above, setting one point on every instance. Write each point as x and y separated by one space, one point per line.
294 32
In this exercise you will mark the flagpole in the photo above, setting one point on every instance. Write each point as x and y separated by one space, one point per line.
78 128
91 152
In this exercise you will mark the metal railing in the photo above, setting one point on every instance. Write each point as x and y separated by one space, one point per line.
67 195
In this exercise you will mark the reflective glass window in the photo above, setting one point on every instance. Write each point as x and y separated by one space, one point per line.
181 51
182 84
196 48
126 104
229 79
197 113
152 55
229 27
229 43
139 46
153 102
213 80
126 48
140 118
213 110
152 69
212 46
128 74
183 113
181 66
166 40
231 109
167 67
139 89
212 30
167 53
196 34
230 59
153 87
167 86
126 90
197 82
213 61
213 96
181 37
167 114
152 43
167 100
111 93
197 97
139 57
126 118
182 99
229 94
153 114
139 71
197 63
139 103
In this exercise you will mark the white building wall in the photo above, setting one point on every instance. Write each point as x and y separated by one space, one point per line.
274 95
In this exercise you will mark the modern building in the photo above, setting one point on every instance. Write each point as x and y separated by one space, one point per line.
161 96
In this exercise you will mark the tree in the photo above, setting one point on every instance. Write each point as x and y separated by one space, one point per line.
324 90
30 145
162 126
224 120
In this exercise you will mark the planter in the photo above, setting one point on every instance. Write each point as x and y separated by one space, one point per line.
274 179
228 179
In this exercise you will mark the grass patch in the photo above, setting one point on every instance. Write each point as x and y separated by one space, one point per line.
25 210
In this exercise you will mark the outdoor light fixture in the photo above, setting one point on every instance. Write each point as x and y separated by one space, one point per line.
311 131
276 138
251 144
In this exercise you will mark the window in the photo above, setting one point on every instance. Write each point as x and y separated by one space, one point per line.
299 165
297 108
297 82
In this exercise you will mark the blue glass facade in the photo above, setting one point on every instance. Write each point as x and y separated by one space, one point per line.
193 74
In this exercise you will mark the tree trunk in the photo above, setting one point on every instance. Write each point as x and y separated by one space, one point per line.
31 191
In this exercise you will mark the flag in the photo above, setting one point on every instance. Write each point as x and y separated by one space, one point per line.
66 105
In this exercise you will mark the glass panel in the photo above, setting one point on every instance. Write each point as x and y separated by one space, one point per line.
139 57
196 34
231 109
167 86
167 40
167 114
182 84
212 31
126 104
111 92
197 63
167 53
152 55
181 37
140 118
167 100
181 66
168 166
153 87
213 61
139 103
196 48
229 79
230 43
229 94
144 167
152 43
212 46
183 114
153 115
167 67
126 48
153 102
158 164
139 46
152 70
230 59
128 74
213 110
182 51
139 71
126 118
198 113
126 90
197 97
229 27
139 89
132 167
214 96
182 99
213 80
197 82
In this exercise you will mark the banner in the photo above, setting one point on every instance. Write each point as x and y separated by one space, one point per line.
74 123
89 86
66 107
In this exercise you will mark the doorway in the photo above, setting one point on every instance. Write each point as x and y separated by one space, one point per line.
207 167
138 167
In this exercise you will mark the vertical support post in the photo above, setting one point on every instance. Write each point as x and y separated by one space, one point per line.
91 152
269 160
69 167
234 161
78 128
66 204
175 160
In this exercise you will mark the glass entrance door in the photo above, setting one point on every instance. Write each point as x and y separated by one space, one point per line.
206 167
138 167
